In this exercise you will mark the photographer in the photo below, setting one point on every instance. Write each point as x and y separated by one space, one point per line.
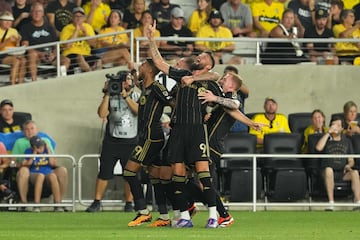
119 107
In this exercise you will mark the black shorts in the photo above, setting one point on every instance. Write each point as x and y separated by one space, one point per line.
111 152
147 152
188 144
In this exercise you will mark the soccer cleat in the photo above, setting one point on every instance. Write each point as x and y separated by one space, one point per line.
94 207
59 209
212 223
160 223
183 223
226 221
140 219
192 210
36 209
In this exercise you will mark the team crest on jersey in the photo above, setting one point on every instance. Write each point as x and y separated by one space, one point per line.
142 100
201 89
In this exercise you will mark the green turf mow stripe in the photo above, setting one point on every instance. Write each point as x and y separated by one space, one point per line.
268 225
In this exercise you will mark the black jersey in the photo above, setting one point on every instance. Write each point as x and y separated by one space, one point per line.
189 109
151 106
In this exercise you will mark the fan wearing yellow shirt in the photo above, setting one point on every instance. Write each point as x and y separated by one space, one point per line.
97 13
114 49
215 29
199 16
273 122
79 52
267 15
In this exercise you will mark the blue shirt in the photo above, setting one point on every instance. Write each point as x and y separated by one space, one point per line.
39 164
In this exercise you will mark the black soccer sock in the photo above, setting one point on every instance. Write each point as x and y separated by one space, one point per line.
168 188
160 196
208 188
136 190
220 208
194 192
179 187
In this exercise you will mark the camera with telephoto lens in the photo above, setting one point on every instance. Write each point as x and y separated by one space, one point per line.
115 82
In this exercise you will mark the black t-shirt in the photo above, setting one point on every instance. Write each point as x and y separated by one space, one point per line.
38 35
344 146
63 14
162 15
189 109
321 47
131 20
15 126
151 106
168 31
17 12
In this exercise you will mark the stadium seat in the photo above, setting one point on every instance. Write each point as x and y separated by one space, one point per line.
316 181
240 169
342 116
284 178
355 139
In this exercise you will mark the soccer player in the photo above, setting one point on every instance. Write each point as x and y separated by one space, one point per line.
153 98
188 145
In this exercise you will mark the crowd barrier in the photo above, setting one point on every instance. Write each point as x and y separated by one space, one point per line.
249 49
254 204
65 203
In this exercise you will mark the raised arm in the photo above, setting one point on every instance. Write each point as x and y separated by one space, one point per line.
149 32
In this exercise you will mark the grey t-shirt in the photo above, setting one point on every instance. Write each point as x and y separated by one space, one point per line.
239 18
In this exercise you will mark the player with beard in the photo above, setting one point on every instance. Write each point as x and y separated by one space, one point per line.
154 97
188 143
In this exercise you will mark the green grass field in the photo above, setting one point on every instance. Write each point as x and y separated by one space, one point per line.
248 225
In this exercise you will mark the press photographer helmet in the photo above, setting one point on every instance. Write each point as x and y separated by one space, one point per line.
115 82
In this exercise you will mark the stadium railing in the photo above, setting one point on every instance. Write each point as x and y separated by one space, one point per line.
66 202
86 202
249 49
254 204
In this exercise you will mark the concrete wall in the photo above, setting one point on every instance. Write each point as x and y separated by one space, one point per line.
66 108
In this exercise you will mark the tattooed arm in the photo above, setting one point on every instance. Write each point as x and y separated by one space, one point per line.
208 96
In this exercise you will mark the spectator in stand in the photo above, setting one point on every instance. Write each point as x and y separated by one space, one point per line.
41 171
242 94
176 28
215 29
349 4
5 192
334 142
238 17
351 125
59 13
39 31
146 20
10 38
5 6
8 122
267 15
199 16
303 14
23 174
273 122
115 49
161 12
284 52
132 16
97 13
317 127
120 5
21 12
347 51
334 14
321 53
217 4
79 52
